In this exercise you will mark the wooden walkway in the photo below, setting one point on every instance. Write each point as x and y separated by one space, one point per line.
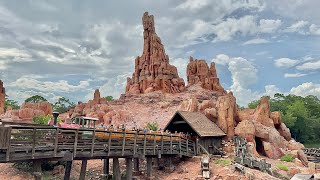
20 143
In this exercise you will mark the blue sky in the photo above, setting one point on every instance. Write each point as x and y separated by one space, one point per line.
69 48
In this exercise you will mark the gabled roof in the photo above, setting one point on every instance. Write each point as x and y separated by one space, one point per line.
199 123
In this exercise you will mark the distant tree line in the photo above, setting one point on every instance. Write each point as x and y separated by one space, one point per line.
300 114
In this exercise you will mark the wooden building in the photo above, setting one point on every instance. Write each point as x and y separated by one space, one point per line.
196 124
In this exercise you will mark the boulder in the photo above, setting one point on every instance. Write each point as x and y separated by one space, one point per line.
262 113
245 114
293 145
227 111
284 131
211 113
276 117
246 129
312 167
272 151
293 171
302 157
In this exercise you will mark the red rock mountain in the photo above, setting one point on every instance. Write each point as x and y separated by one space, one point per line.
153 71
198 71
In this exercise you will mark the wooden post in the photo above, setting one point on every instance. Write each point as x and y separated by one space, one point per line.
149 166
161 143
33 142
109 143
83 169
106 166
9 144
136 165
116 169
187 146
37 173
171 148
67 170
123 142
93 141
129 168
75 143
197 147
135 144
144 143
56 142
156 162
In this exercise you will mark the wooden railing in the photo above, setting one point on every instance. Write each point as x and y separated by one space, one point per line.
19 143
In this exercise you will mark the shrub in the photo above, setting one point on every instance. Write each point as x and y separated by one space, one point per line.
223 162
287 158
282 167
152 126
44 119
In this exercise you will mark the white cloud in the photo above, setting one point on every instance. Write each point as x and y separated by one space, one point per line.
26 82
256 41
309 66
294 75
246 25
13 52
297 27
285 62
314 29
305 89
243 74
269 25
270 90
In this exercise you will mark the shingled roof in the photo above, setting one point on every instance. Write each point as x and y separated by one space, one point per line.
199 123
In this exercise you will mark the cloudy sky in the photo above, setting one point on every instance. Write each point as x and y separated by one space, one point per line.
69 48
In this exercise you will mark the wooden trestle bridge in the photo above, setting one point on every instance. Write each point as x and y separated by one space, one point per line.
313 154
46 143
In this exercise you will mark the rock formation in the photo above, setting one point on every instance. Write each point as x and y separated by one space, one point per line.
198 71
227 112
27 111
265 131
2 97
152 69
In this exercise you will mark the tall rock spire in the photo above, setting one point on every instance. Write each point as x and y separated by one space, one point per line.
2 97
152 69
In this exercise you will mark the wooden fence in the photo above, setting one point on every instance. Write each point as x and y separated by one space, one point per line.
22 143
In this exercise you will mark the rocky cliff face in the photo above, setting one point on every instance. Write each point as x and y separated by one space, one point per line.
2 97
198 72
152 69
27 111
265 131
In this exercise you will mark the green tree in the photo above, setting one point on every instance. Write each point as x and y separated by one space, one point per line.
109 98
12 103
63 105
36 99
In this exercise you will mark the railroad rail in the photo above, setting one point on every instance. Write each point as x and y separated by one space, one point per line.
313 154
32 143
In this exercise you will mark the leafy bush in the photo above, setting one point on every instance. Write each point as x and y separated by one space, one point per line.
282 167
44 119
223 162
287 158
152 126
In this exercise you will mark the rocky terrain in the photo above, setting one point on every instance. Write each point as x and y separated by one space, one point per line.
155 92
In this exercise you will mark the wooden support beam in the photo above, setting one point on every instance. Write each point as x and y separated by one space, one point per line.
9 144
123 142
135 144
136 165
106 169
56 142
75 143
144 144
109 142
33 142
37 173
83 170
129 168
149 167
67 172
116 169
93 141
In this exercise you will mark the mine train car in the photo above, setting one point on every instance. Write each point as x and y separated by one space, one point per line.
103 133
